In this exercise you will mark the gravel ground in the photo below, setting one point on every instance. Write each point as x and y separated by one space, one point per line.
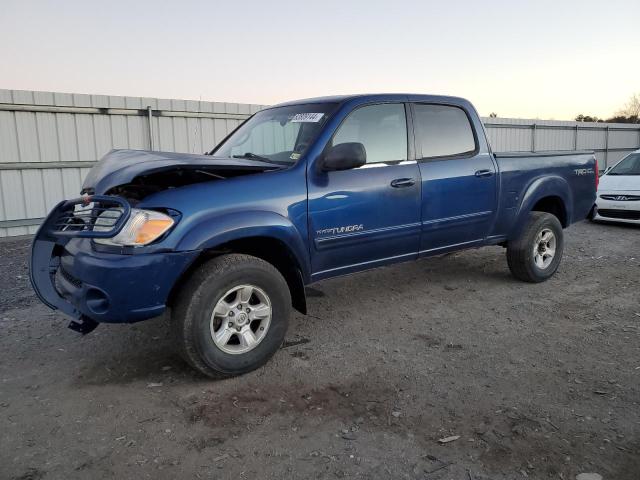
537 381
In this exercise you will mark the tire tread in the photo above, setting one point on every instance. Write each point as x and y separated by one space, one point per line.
519 250
182 313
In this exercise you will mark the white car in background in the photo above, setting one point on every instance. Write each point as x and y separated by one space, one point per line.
618 198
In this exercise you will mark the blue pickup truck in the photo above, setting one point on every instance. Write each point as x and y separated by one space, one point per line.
299 192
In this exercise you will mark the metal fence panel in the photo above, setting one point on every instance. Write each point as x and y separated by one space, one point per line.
43 134
49 140
610 141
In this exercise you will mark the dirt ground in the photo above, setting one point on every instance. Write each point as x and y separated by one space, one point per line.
537 381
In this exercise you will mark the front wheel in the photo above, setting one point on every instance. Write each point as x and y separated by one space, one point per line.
535 255
231 315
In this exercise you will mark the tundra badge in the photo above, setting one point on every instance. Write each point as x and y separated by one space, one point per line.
339 230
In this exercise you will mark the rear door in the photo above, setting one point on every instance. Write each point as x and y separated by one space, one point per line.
366 216
459 181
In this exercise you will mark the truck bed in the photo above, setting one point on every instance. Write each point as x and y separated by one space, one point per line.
568 175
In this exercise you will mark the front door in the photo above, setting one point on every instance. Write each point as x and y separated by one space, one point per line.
367 216
459 181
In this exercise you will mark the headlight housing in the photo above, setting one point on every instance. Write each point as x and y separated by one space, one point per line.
142 227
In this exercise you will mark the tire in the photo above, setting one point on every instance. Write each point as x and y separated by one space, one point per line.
200 314
592 214
524 253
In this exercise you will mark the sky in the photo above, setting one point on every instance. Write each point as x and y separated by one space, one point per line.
523 59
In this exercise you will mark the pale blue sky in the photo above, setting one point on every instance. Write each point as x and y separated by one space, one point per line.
545 59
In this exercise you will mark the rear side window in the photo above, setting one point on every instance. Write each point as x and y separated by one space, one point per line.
382 129
442 130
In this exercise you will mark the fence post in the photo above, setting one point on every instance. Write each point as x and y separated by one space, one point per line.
150 117
533 138
606 148
575 138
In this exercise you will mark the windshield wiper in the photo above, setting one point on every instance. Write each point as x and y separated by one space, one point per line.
253 156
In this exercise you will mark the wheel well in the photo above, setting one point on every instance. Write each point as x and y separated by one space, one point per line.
268 249
554 206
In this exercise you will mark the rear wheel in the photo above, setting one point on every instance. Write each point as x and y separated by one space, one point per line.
535 255
231 316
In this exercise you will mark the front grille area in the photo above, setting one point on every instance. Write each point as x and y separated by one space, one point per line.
93 216
620 214
621 198
97 216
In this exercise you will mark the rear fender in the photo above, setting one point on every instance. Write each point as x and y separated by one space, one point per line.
539 188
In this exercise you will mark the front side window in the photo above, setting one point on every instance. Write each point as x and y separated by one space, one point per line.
443 130
382 129
627 166
278 135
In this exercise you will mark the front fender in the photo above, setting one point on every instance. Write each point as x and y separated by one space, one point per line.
539 188
211 230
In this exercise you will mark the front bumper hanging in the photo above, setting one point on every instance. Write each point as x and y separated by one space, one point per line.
67 221
69 274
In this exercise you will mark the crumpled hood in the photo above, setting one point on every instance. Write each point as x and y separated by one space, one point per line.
613 183
119 167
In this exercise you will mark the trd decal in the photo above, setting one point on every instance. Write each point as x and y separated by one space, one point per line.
583 171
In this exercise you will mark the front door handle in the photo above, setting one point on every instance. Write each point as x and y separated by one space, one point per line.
403 182
484 173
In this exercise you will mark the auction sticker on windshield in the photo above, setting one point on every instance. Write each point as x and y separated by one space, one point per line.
306 117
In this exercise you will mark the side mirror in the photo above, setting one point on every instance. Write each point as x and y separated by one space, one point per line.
344 156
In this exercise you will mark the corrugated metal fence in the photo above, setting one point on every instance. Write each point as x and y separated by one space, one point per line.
48 141
609 141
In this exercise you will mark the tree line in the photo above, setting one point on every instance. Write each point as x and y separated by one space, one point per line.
630 113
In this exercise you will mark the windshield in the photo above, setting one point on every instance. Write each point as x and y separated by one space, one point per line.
279 135
627 166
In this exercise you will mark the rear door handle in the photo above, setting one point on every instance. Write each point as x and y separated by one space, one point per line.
484 173
403 182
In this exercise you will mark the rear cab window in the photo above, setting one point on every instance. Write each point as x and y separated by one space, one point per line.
442 131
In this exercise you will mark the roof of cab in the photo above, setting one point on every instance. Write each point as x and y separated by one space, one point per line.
365 97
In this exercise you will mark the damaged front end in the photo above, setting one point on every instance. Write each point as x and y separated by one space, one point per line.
70 219
78 267
69 273
136 174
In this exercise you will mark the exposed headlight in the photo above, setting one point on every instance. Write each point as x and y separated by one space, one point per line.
142 228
